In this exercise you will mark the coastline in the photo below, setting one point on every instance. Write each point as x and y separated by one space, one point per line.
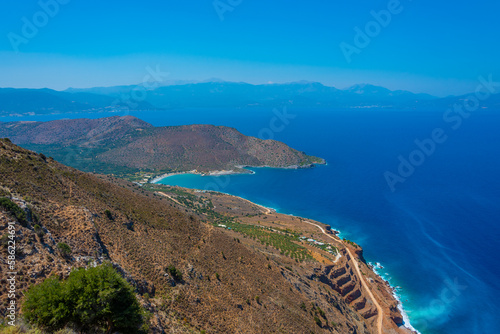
158 178
396 296
373 268
267 210
239 170
393 289
400 306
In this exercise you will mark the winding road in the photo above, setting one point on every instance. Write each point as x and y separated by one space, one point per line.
363 282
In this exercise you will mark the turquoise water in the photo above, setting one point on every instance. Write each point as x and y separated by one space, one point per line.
436 235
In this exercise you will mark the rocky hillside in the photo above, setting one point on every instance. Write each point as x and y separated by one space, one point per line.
129 145
232 280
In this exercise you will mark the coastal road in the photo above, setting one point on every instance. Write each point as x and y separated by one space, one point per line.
363 282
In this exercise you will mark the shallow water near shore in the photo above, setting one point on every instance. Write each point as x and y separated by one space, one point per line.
436 235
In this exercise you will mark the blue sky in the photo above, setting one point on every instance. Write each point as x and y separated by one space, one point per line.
438 48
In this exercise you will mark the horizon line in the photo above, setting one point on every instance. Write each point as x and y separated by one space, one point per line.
184 82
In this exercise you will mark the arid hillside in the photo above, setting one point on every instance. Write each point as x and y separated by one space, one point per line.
127 145
233 280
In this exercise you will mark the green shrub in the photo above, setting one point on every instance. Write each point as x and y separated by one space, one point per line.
94 300
4 240
39 230
4 192
14 210
174 272
45 305
352 243
64 249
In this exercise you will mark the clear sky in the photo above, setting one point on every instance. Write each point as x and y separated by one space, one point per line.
438 47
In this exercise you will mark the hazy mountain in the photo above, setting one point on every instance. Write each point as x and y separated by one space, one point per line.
305 94
217 93
48 101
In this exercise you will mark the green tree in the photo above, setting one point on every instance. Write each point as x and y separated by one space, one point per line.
90 300
46 306
101 299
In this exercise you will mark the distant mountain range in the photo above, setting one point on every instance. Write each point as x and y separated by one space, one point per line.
217 94
127 145
48 101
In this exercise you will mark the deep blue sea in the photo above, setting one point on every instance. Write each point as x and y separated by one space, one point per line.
436 234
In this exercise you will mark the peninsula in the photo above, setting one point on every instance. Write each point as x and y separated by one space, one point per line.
129 147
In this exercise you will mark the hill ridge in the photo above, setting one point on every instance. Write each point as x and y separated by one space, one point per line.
128 145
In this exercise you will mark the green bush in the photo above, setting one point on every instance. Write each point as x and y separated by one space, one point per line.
4 240
94 300
321 312
14 210
64 249
39 231
45 305
174 272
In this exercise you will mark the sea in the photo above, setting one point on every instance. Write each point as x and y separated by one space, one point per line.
420 192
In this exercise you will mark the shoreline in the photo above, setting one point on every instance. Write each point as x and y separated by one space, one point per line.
240 170
158 178
336 232
397 298
373 268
